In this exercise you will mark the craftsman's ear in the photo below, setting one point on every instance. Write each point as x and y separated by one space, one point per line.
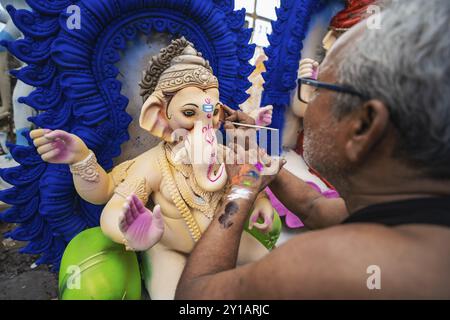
367 127
153 118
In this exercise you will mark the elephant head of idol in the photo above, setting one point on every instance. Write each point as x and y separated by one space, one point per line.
182 107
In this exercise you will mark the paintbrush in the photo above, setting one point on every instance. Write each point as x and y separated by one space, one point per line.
253 126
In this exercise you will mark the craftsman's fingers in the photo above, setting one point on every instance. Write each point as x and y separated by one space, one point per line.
263 157
229 126
227 110
269 173
231 134
232 117
237 155
245 118
230 156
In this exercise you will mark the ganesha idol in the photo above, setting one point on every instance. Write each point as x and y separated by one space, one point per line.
182 107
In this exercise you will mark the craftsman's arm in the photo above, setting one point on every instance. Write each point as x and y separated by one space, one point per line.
315 210
305 267
218 248
324 264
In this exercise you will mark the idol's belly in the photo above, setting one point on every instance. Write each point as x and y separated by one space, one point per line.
177 235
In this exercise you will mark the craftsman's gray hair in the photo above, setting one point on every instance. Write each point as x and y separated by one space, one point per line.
406 64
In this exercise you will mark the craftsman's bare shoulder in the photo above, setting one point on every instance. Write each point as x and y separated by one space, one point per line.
336 263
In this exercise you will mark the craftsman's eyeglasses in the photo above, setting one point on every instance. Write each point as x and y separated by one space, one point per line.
307 89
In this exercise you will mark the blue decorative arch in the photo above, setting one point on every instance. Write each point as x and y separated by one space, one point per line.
284 53
77 90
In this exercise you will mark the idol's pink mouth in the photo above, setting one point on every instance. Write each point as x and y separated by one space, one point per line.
210 171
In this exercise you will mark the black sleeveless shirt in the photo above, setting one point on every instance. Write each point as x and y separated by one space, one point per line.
432 211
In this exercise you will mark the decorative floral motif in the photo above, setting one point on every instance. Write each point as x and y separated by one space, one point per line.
86 169
74 75
137 186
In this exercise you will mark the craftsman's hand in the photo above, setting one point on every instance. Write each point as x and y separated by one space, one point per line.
252 176
59 146
237 116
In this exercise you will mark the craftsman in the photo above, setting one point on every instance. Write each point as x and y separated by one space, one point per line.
383 141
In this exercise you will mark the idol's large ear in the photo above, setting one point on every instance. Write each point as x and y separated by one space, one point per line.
153 118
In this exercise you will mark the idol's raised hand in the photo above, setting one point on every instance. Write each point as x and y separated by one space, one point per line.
141 228
309 69
59 146
264 116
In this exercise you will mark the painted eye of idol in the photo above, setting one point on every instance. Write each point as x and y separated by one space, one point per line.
189 113
189 110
